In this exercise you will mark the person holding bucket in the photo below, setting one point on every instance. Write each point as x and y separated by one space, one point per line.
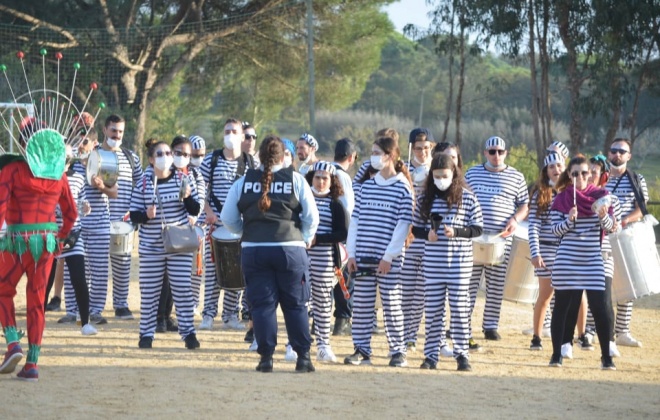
274 210
579 265
446 217
156 203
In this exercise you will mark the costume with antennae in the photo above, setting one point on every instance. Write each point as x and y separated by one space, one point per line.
32 183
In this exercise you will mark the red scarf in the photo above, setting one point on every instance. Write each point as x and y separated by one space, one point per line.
563 202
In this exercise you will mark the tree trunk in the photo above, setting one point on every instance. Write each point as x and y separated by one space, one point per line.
538 142
546 97
461 83
450 98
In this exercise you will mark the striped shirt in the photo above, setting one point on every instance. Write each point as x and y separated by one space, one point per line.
361 171
579 261
417 245
125 178
449 260
173 210
224 176
542 242
382 209
499 194
77 187
99 218
624 191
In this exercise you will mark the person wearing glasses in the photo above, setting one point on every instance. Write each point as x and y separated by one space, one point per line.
249 144
632 191
579 263
156 201
503 196
412 274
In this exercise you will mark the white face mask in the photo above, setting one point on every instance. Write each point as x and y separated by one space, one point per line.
317 192
551 183
163 163
83 155
288 160
180 162
197 162
113 143
377 162
443 184
620 167
233 141
498 167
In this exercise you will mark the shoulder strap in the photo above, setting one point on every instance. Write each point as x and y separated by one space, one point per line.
637 190
217 154
131 161
245 162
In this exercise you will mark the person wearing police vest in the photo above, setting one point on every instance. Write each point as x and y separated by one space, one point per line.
274 209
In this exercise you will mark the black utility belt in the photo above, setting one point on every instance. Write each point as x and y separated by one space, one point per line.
548 243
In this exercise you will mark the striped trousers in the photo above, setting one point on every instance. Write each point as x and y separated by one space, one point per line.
121 275
494 289
97 250
322 281
364 301
459 305
412 284
152 269
623 317
195 279
231 299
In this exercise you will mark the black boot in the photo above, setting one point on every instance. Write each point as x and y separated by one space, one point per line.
304 363
191 341
171 325
161 326
342 326
265 364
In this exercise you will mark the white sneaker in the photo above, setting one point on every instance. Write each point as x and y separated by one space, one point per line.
325 354
196 311
88 329
567 350
290 355
254 346
233 324
614 351
446 351
625 339
591 337
207 323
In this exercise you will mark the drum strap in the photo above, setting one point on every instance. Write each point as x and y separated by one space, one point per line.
244 163
637 190
131 161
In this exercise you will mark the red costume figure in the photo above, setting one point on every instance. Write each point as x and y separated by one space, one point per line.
28 205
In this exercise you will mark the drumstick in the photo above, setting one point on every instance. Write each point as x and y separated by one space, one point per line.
574 192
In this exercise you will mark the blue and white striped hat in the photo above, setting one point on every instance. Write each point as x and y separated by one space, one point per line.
325 166
495 142
310 140
552 157
197 142
561 148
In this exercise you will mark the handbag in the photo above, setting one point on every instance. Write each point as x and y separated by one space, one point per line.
176 238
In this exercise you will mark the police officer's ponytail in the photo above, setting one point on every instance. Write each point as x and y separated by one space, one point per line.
271 153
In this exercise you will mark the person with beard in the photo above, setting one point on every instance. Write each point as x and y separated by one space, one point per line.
306 149
249 143
632 191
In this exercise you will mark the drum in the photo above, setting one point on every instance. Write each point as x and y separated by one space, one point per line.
198 263
488 249
121 238
520 283
636 262
104 164
226 247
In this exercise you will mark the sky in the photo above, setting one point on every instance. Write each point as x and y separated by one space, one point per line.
408 11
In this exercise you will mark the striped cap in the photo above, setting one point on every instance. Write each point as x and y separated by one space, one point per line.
495 142
551 158
310 140
197 142
325 166
560 147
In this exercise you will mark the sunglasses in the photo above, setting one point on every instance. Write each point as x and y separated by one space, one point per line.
182 154
492 152
250 137
583 174
615 151
160 153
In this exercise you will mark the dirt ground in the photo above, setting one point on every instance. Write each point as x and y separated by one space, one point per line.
108 376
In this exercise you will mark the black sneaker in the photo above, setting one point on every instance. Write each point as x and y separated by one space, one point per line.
606 363
398 360
536 343
312 329
357 359
428 364
474 346
265 364
304 363
463 364
161 327
123 313
492 335
584 344
191 341
448 334
145 342
171 325
342 326
249 336
556 361
97 319
54 304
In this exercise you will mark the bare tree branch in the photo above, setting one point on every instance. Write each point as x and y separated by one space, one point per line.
38 22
